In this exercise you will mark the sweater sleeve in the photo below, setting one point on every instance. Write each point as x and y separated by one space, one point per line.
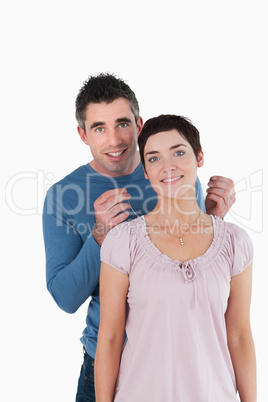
199 195
72 267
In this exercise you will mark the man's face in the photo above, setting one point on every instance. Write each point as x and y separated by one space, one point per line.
111 133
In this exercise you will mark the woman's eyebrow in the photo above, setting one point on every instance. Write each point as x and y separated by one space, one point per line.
177 146
151 153
173 147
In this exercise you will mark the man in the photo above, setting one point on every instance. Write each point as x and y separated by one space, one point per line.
81 209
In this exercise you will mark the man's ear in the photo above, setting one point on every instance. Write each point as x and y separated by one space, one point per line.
83 135
139 125
200 159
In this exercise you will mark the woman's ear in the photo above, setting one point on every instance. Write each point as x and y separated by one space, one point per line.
145 174
200 159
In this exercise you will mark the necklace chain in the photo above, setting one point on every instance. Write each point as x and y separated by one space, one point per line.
186 231
180 237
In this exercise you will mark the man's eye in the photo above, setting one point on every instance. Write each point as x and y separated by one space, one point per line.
123 125
99 129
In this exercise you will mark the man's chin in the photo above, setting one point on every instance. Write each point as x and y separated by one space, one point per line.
112 169
117 168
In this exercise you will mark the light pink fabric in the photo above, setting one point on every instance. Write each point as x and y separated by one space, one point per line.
176 348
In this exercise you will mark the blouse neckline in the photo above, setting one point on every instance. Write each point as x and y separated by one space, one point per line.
159 257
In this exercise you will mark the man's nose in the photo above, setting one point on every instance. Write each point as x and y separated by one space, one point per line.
114 138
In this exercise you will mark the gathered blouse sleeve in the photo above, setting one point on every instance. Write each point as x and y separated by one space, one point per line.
241 249
115 250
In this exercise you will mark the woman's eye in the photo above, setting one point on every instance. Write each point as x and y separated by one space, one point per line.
179 153
153 159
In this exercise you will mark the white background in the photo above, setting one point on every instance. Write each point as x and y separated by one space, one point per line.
206 60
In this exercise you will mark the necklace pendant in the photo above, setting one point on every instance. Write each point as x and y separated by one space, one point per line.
181 241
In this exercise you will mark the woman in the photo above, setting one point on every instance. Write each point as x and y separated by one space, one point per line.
179 282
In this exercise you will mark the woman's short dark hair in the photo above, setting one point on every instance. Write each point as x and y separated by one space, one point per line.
167 122
107 88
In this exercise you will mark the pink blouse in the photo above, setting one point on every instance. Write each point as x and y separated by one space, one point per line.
176 347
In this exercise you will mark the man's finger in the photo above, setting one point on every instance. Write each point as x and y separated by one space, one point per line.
117 199
221 182
108 194
220 200
110 204
121 206
119 219
105 204
218 191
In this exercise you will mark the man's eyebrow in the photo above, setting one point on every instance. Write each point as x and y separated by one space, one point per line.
101 123
123 120
173 147
96 124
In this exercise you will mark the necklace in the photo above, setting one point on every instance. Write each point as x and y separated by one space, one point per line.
186 231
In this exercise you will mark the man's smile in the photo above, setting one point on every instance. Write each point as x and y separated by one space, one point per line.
116 155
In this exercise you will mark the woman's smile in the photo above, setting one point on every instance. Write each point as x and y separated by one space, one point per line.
172 180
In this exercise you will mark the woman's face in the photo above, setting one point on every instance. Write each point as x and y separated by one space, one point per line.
171 165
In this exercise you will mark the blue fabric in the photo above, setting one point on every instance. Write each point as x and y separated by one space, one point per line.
86 386
72 255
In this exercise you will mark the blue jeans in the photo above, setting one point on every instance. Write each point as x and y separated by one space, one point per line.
86 388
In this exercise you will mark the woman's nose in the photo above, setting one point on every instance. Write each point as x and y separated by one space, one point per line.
169 167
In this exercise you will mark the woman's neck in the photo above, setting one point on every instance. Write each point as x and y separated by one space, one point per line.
183 209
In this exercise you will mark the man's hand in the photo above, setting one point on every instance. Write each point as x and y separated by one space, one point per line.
107 208
220 197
